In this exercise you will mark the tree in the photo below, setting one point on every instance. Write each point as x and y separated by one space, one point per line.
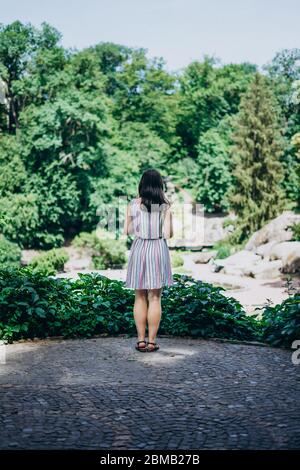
256 196
208 92
21 48
214 170
284 73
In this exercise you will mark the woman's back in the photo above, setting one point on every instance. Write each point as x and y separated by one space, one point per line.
147 225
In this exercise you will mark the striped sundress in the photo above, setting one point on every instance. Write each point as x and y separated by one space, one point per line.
149 265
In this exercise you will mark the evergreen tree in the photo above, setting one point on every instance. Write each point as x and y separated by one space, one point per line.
257 196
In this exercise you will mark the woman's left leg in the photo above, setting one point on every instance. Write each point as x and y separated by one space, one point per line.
140 310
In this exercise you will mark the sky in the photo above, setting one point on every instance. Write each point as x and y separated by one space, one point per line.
180 31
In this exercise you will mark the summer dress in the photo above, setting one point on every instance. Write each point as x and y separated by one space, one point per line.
149 265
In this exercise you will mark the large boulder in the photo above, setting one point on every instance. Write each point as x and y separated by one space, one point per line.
289 254
277 231
265 249
238 264
266 269
204 256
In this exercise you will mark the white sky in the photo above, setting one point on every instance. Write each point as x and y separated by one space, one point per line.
178 30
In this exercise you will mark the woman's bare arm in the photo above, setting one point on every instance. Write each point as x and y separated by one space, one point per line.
168 230
128 224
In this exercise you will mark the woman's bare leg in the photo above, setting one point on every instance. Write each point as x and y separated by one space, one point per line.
154 314
140 314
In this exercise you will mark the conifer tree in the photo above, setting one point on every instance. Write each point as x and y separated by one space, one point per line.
257 195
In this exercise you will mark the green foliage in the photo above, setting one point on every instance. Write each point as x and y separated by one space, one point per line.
77 128
199 309
176 259
19 220
296 232
214 180
13 174
224 250
10 253
207 94
106 252
281 323
34 305
227 247
284 73
50 262
256 195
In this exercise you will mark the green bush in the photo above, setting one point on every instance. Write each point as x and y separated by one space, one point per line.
176 259
200 309
227 247
10 253
296 232
106 252
19 218
34 305
281 323
50 262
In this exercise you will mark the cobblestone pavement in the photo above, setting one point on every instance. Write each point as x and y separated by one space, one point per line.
191 394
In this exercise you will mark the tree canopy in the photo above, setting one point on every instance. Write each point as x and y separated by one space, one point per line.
77 128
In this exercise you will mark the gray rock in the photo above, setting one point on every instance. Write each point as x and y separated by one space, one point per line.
204 257
289 254
266 269
276 230
238 264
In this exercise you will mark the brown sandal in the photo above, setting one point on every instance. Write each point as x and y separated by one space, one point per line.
155 348
141 348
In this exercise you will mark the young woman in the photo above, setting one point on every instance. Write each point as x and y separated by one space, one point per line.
149 218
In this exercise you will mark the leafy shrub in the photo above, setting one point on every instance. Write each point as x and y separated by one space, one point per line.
106 252
223 251
34 305
281 323
19 218
296 232
50 262
227 247
10 253
176 259
199 309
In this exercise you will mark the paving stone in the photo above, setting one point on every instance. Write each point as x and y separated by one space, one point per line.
102 393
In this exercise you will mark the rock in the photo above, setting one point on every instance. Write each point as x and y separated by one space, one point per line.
289 254
238 264
78 264
276 230
205 256
265 249
266 269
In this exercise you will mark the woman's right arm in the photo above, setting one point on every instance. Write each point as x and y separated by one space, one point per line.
128 224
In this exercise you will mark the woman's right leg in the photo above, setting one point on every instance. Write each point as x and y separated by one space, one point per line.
154 314
140 310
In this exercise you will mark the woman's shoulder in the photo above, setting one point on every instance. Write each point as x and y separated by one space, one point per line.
135 200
